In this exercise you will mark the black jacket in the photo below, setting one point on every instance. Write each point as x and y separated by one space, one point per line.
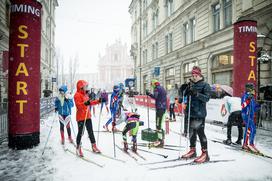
198 102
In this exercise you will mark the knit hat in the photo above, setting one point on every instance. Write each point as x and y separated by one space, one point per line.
196 71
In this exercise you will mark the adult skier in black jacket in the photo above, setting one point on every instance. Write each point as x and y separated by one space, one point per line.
199 93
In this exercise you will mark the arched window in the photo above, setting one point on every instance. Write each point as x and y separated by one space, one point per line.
221 69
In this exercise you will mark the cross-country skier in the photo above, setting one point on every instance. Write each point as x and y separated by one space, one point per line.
83 115
249 107
199 94
114 106
105 98
172 94
233 107
131 99
132 124
92 96
63 105
159 94
121 98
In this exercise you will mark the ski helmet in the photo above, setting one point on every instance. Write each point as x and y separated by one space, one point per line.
154 83
249 86
116 88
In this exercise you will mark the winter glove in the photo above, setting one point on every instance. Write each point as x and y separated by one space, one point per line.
100 100
113 124
180 100
192 92
87 103
147 92
56 109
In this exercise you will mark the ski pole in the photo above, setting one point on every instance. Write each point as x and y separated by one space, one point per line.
164 156
49 134
113 135
188 121
83 129
99 120
183 116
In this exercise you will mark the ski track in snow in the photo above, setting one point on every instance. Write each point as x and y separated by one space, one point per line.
56 164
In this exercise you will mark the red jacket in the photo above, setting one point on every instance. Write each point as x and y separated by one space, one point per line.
83 111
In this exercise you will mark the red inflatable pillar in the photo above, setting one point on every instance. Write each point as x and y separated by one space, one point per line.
24 74
245 55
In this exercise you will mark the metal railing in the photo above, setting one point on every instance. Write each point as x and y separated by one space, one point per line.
265 115
46 106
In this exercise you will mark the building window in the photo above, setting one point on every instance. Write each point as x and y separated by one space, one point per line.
227 12
115 57
169 8
166 44
221 61
145 82
189 66
186 33
192 29
170 72
153 51
144 4
7 13
145 25
169 76
155 17
170 43
145 56
216 17
156 49
222 69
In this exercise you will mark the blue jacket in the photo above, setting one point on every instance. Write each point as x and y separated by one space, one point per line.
114 101
62 105
160 97
248 110
198 103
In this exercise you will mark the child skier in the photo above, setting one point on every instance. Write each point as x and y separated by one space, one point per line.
63 105
114 106
105 99
249 107
132 124
83 115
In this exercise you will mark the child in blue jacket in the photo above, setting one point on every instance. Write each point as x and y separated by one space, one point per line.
63 105
114 106
249 107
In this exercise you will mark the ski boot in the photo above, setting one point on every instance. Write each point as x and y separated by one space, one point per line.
227 141
159 144
253 149
134 147
190 154
115 129
95 149
245 147
106 128
125 147
79 151
204 157
70 139
238 142
62 137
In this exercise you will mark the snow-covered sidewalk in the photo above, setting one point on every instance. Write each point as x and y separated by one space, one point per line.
57 164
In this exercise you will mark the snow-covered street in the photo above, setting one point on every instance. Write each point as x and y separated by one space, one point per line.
58 164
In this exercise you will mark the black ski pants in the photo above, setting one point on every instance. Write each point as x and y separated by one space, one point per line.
172 112
89 127
196 127
235 118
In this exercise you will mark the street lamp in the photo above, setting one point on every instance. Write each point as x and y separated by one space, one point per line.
263 57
